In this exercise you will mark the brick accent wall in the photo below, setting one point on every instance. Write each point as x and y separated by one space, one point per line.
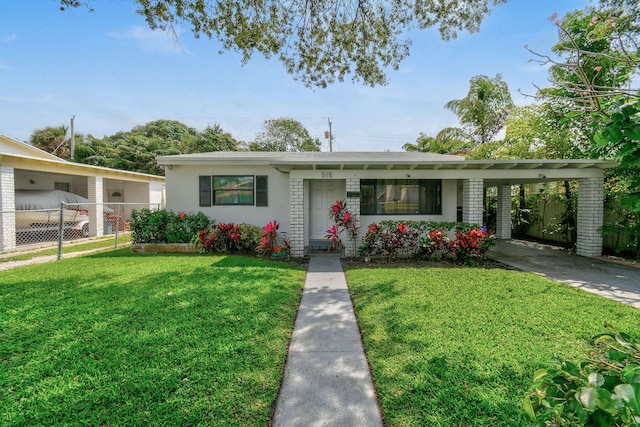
503 220
296 216
353 205
590 216
96 214
472 200
7 209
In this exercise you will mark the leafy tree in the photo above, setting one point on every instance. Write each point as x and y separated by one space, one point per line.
484 110
52 140
317 41
214 139
95 151
443 143
600 49
169 135
136 150
284 135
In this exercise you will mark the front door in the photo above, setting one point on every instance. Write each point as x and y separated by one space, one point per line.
323 194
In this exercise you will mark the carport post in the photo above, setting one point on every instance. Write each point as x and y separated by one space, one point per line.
503 220
60 230
590 216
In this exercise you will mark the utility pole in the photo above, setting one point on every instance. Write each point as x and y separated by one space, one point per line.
73 140
329 135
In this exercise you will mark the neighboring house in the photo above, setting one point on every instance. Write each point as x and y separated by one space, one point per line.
297 189
24 167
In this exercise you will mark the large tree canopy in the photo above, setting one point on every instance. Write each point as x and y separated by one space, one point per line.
317 41
136 150
284 135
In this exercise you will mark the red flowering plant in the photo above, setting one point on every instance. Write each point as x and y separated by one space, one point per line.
344 221
388 241
273 244
224 238
471 244
434 245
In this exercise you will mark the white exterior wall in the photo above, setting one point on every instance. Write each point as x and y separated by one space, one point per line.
183 195
7 209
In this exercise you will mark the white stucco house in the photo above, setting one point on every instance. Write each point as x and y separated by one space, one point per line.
24 167
297 189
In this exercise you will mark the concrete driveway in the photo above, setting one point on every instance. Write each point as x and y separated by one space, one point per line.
618 281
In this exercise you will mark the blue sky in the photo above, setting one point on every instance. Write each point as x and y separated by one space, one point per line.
112 73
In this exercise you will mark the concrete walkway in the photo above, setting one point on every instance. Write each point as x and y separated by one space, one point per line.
618 281
326 380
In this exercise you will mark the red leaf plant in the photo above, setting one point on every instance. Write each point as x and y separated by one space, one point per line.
344 221
273 244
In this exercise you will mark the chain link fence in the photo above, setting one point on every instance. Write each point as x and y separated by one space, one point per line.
66 225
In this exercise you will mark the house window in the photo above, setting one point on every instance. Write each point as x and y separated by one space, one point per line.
62 186
401 197
233 190
230 190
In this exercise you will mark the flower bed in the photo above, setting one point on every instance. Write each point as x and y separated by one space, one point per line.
426 240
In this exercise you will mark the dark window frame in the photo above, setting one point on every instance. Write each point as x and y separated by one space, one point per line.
259 190
426 204
238 190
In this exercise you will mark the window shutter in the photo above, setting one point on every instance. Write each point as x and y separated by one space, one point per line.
205 191
262 197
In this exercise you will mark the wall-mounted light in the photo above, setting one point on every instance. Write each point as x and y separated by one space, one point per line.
116 194
170 167
31 181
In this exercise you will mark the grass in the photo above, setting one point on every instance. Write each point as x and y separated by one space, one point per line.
99 243
459 346
126 340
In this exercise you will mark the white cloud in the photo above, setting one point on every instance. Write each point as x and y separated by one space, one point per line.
147 39
8 38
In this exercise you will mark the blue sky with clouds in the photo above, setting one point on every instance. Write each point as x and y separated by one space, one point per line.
112 73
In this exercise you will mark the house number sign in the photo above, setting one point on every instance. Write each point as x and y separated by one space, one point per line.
327 174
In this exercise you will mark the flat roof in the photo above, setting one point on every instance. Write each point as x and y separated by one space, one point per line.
346 160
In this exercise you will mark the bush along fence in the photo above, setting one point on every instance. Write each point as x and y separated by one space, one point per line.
426 240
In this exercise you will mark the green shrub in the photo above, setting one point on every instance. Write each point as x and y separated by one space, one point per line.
230 238
162 226
603 390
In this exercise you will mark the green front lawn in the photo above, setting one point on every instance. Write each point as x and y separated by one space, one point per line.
125 340
459 346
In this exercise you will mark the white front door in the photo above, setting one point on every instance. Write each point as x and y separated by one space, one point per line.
323 194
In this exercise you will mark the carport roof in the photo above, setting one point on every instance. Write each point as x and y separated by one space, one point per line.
288 161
